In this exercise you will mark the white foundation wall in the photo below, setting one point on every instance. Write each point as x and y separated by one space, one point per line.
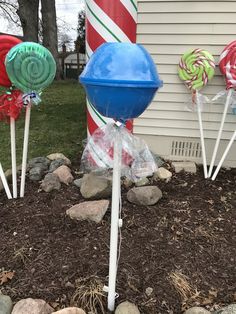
167 29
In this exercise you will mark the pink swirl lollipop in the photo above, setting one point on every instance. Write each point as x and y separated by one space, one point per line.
227 64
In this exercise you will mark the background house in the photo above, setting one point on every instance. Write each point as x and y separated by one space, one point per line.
167 29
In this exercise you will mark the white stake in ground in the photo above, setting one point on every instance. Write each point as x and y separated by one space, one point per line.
13 156
199 113
233 138
25 150
113 264
220 132
4 182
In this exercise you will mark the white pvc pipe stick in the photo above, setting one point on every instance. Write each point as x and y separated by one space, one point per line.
201 136
4 182
13 156
224 156
25 150
114 225
220 132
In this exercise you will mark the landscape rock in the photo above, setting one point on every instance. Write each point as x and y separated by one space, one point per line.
92 210
56 164
55 156
5 304
196 310
127 308
187 166
127 183
36 173
163 174
230 309
78 182
149 291
145 195
41 162
142 182
95 187
50 182
32 306
64 174
70 310
8 173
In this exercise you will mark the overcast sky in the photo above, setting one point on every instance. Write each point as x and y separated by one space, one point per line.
67 10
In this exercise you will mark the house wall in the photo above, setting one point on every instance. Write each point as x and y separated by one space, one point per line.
168 29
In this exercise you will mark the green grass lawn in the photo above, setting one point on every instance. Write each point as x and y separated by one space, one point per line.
58 124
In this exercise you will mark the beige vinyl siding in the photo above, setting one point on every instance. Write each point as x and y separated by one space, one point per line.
167 29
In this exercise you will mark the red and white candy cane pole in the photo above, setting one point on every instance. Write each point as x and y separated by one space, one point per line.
108 21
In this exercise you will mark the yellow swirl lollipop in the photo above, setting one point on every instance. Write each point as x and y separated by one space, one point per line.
196 68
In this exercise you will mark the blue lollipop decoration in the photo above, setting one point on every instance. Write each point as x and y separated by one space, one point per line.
120 80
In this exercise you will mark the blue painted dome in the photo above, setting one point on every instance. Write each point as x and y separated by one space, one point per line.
120 80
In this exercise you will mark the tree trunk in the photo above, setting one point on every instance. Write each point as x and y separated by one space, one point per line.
49 23
29 16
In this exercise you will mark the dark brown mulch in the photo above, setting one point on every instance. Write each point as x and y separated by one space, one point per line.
190 233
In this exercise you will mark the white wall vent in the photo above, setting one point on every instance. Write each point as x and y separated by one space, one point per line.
188 149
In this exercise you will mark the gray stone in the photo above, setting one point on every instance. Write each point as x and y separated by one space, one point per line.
230 309
93 210
70 310
78 182
8 173
64 174
5 304
162 174
56 164
127 183
127 308
149 291
32 306
187 166
197 310
36 173
50 182
55 156
41 162
142 182
145 195
95 187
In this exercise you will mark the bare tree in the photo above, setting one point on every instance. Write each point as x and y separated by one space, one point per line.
81 31
28 12
8 9
49 23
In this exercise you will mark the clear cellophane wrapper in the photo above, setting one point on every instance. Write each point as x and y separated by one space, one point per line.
137 160
192 103
220 98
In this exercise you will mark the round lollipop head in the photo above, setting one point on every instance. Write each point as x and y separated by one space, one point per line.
30 67
196 68
227 64
6 43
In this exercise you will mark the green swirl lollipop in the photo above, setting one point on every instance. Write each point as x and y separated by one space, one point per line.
30 67
196 68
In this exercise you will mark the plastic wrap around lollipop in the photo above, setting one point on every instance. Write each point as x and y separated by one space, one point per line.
120 80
